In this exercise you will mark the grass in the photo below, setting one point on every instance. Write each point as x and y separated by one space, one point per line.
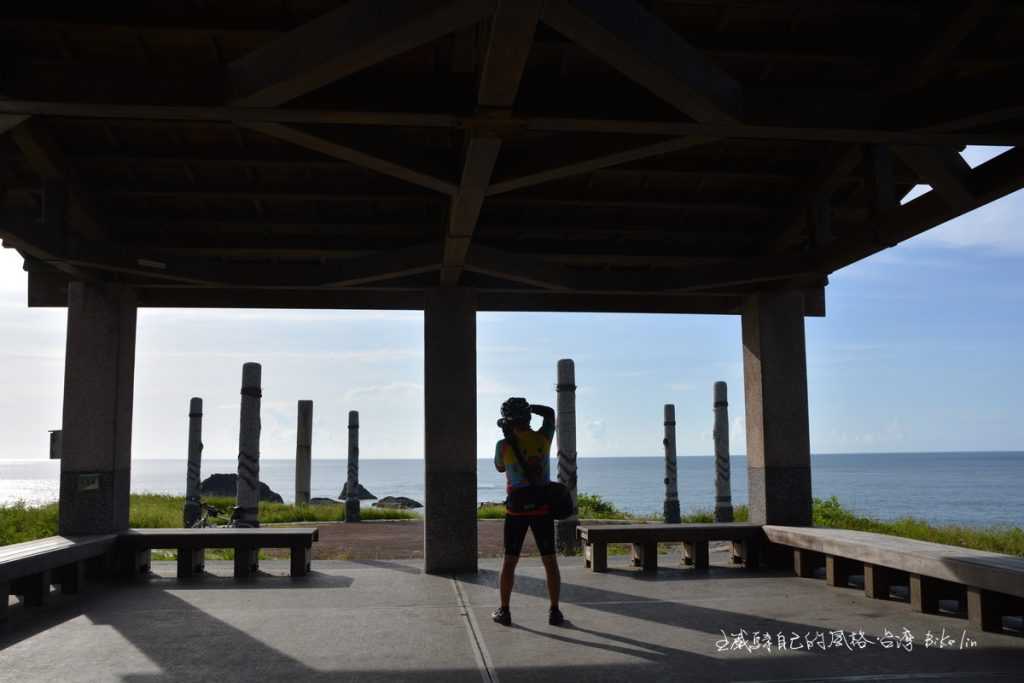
19 522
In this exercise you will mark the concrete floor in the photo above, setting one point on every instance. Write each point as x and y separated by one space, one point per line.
385 620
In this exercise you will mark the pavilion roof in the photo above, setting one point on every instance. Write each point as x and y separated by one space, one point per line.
600 155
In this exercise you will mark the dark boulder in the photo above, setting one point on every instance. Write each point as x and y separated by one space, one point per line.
226 485
363 493
324 501
399 502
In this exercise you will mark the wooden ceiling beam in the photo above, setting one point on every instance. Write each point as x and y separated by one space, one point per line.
988 182
353 156
44 243
596 163
646 50
512 30
356 35
516 268
45 158
946 135
481 155
817 191
11 121
940 47
942 168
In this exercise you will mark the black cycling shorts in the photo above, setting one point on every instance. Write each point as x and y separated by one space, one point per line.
543 533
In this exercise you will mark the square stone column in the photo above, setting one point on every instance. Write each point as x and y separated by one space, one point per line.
99 377
775 380
450 529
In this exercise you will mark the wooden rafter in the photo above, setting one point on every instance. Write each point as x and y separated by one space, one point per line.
949 134
988 182
358 34
606 161
944 169
938 49
517 268
648 51
816 192
354 156
512 29
9 121
44 156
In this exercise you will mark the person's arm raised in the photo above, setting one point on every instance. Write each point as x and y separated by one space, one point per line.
548 413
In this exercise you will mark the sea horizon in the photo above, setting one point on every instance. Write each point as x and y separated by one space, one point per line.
972 488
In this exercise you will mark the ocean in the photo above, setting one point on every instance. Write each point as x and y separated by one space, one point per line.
973 489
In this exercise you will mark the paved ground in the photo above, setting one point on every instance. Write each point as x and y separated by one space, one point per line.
385 620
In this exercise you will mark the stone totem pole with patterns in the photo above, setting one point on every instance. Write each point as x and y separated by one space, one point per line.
723 492
671 508
303 452
195 454
246 513
352 511
565 430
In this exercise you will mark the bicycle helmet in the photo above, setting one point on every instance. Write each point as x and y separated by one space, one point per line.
516 410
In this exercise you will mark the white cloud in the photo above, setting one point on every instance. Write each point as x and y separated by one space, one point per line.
390 390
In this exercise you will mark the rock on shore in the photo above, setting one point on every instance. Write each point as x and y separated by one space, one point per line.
363 493
400 502
227 485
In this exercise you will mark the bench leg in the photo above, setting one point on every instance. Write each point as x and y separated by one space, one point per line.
301 557
134 562
805 562
34 589
247 562
701 561
751 553
648 556
877 581
838 570
586 556
70 577
738 552
687 553
924 593
191 562
638 554
984 609
598 557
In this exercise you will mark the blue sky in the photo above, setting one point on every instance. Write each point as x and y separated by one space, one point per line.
919 352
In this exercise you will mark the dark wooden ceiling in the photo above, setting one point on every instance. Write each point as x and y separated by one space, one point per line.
559 155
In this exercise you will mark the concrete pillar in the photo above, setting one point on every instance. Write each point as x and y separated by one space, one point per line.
450 530
99 376
723 485
775 382
671 509
352 513
565 430
195 455
303 452
248 497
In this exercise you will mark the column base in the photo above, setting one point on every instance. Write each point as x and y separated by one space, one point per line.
449 523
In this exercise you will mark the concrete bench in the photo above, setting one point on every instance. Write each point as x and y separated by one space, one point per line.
989 584
29 569
646 537
135 546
